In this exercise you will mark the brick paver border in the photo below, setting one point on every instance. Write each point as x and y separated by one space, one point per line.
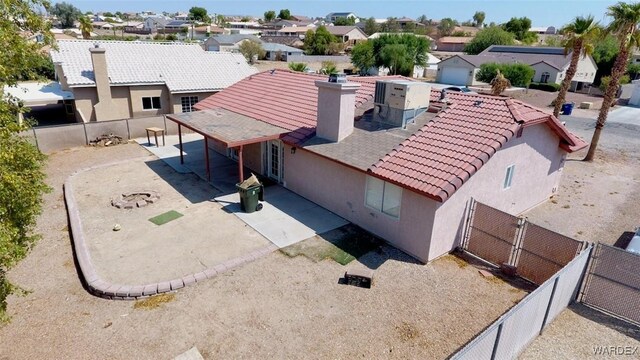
105 289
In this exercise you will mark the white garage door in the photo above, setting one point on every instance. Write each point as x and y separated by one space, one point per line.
454 76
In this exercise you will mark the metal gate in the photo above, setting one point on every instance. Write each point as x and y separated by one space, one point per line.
492 233
613 282
500 238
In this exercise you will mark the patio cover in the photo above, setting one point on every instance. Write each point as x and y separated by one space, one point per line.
230 128
38 94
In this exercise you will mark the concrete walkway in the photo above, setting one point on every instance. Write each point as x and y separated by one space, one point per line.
285 218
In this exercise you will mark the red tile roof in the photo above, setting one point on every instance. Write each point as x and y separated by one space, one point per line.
283 98
446 152
435 161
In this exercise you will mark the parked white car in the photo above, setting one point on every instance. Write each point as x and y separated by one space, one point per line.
634 244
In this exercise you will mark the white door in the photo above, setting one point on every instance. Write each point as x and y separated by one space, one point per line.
274 160
454 76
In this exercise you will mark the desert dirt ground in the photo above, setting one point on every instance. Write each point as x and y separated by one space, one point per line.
143 252
597 201
281 306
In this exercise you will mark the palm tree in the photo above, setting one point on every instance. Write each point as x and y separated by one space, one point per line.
299 67
579 38
624 27
499 83
85 27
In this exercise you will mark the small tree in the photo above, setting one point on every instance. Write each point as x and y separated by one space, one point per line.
446 26
518 74
395 57
606 80
371 26
633 70
478 18
284 14
486 37
317 42
499 83
299 67
252 50
199 14
362 57
269 16
391 25
344 21
67 14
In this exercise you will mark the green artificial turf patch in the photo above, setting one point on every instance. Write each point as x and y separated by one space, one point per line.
166 217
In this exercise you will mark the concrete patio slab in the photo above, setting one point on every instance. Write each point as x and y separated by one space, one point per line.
286 218
224 171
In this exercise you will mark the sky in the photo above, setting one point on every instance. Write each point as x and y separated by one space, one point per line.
541 12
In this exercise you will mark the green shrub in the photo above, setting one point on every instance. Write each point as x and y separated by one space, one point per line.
550 87
517 74
605 80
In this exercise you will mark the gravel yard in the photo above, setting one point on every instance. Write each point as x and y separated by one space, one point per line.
278 306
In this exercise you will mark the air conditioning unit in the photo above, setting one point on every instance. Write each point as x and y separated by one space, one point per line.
398 102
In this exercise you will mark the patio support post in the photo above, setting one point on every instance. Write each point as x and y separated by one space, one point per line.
206 157
180 140
240 165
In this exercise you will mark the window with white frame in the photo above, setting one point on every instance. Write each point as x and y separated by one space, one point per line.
188 102
383 196
508 177
151 103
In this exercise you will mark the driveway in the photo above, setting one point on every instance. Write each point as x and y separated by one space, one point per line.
625 115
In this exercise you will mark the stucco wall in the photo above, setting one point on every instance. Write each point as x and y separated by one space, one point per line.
538 167
541 68
342 190
176 101
586 71
138 92
85 98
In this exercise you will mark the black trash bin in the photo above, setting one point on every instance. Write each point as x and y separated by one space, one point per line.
250 197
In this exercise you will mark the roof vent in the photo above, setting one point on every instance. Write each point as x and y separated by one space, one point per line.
96 45
477 103
338 78
443 94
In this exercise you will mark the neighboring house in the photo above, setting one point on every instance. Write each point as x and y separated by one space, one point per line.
386 154
432 42
292 23
405 22
293 31
453 43
228 43
332 17
279 52
153 23
120 79
300 18
550 65
294 41
635 57
468 30
349 35
181 16
544 30
176 25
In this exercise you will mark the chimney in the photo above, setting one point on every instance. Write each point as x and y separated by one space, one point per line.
336 108
103 87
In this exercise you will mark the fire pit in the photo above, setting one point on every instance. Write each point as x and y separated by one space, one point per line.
132 200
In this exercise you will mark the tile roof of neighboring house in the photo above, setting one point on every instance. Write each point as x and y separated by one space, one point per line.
343 30
296 29
182 67
446 152
232 39
455 39
435 160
